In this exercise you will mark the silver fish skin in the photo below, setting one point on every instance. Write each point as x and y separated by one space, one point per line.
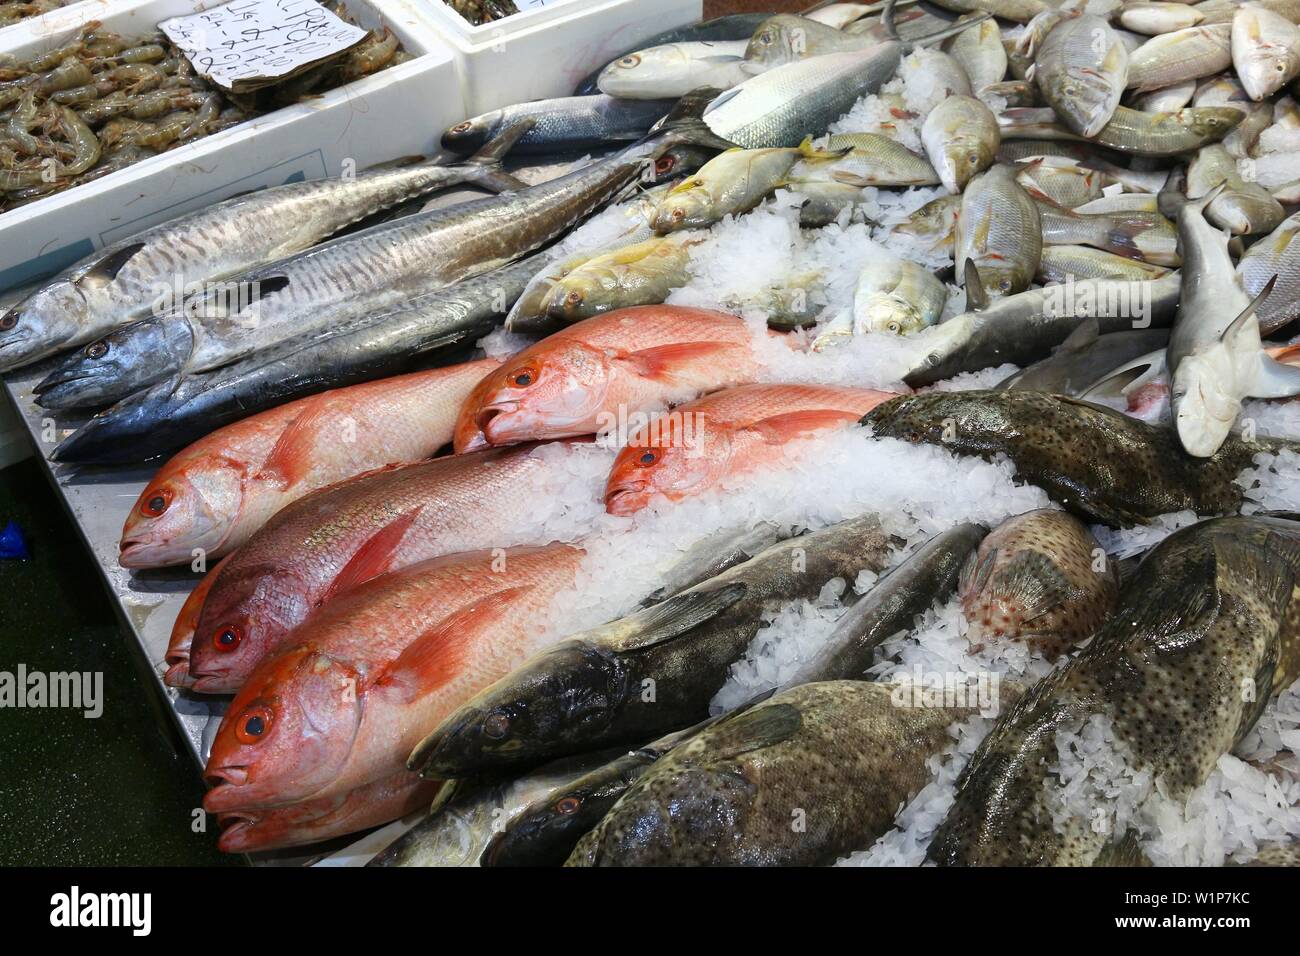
1168 99
1132 131
1021 11
785 104
1215 358
138 276
1068 263
1243 208
1265 50
566 123
1139 235
467 814
1183 55
1082 69
1023 328
999 230
675 69
846 753
1209 611
961 138
978 50
1226 90
787 38
1277 254
377 269
1153 19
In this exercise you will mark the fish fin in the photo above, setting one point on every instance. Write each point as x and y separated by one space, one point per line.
436 655
106 269
810 152
783 428
495 149
942 33
976 298
721 99
975 572
1128 376
685 122
1032 582
672 618
497 181
657 362
1275 379
1240 321
373 558
1082 337
290 459
754 729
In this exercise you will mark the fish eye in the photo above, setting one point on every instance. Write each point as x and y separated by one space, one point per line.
1005 285
253 725
464 127
665 164
573 298
97 350
522 378
227 638
647 458
630 61
895 327
767 36
8 321
914 436
973 159
496 726
156 504
679 214
567 805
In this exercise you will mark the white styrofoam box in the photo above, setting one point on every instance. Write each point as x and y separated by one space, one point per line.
547 50
399 111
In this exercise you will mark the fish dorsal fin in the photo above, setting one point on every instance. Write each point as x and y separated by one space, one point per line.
1240 321
1142 369
495 149
291 458
722 99
976 298
436 655
1083 337
373 558
754 729
779 429
658 361
672 618
106 269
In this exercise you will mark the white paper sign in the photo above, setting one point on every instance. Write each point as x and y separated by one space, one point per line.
250 43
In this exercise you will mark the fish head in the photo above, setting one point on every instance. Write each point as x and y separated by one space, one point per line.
582 294
1210 122
470 135
1263 50
240 622
675 456
882 312
688 205
1204 399
962 158
550 707
778 40
545 832
645 72
40 324
966 421
182 514
553 390
999 276
287 733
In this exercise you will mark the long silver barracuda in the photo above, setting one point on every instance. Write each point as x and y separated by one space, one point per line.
378 268
129 279
1215 358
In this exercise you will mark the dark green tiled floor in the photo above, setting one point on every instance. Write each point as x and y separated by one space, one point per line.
73 791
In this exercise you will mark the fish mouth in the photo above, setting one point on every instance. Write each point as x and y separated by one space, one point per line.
440 753
132 553
627 498
236 829
211 683
178 675
488 415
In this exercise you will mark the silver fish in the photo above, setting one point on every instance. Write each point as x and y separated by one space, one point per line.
1183 55
1277 254
1265 50
999 232
961 138
1082 69
1243 208
676 69
1153 19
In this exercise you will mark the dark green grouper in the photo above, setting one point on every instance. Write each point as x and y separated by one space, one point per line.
1097 463
1207 630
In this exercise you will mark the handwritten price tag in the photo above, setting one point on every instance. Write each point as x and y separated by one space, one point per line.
252 43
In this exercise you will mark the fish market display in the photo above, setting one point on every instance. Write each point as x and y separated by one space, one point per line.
868 436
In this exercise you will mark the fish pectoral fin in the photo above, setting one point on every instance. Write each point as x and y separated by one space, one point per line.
1127 376
374 557
1084 336
106 269
495 149
782 428
291 458
1275 379
436 655
1249 311
672 618
975 572
1032 581
754 729
657 362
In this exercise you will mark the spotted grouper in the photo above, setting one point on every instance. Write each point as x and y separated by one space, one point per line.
1207 630
1095 462
1041 578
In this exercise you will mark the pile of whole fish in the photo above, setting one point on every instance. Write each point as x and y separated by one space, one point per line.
99 102
1101 195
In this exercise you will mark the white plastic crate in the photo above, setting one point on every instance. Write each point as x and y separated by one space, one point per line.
546 50
399 111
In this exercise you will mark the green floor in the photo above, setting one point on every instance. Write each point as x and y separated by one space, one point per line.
76 791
